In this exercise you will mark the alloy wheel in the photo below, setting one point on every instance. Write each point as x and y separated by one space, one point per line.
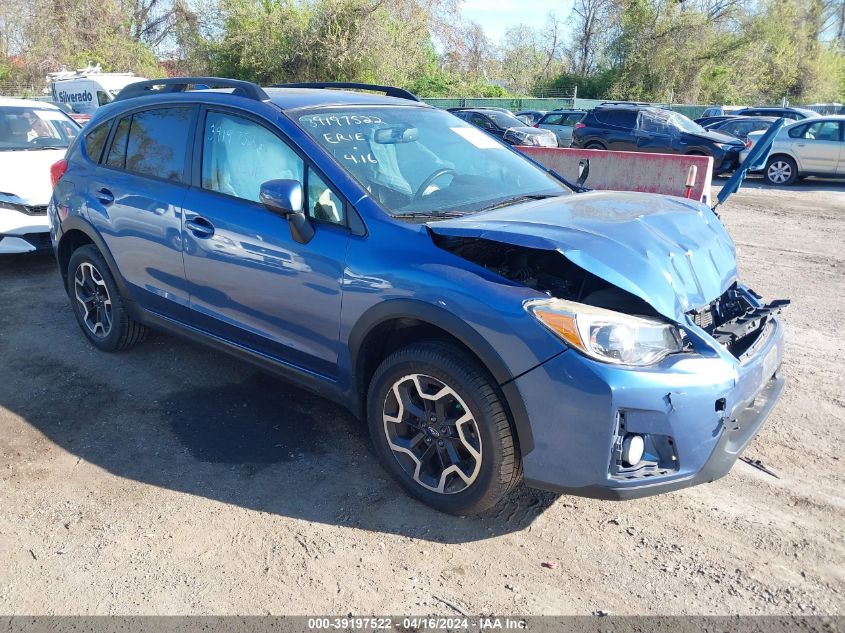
432 433
779 172
93 295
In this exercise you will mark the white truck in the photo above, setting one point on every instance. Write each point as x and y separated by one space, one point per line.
86 89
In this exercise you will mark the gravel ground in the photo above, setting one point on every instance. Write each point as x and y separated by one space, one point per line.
174 480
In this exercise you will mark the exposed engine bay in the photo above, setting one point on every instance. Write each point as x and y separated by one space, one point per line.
545 270
731 319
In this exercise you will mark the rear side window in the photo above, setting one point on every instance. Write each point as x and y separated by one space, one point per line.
552 119
95 141
618 118
158 141
480 120
572 119
117 153
821 131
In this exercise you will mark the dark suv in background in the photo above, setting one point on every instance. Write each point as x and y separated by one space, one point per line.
639 128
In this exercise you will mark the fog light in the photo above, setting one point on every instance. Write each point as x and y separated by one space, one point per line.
633 447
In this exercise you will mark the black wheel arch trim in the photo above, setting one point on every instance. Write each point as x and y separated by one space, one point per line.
455 326
76 223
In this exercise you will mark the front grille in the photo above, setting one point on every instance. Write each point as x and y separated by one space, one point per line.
734 322
38 209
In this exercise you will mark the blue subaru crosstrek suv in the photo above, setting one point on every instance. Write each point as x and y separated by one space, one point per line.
489 323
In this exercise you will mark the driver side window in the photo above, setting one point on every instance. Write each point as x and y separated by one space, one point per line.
480 121
239 155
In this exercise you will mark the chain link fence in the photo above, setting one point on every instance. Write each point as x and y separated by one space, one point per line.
22 89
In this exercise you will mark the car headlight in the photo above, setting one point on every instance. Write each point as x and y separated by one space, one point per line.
608 336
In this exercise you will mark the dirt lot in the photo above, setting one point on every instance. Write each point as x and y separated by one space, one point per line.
172 479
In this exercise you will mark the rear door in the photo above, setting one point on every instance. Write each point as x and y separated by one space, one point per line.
135 201
250 281
818 146
655 133
617 129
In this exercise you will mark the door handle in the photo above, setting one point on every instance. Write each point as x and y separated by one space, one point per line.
800 145
200 227
105 196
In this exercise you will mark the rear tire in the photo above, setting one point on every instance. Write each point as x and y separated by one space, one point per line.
97 303
439 425
781 170
594 145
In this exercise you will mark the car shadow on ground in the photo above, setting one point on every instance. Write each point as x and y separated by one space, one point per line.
185 418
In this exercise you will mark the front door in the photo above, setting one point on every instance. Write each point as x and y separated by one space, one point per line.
250 281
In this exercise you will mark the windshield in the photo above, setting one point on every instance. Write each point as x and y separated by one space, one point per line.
416 160
33 128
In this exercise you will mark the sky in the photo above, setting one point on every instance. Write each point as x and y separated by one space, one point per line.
496 16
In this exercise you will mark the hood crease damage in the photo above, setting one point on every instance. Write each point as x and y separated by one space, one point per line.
634 253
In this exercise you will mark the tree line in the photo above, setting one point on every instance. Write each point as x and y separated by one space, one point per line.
683 51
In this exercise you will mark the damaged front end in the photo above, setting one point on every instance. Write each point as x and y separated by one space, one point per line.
623 285
678 363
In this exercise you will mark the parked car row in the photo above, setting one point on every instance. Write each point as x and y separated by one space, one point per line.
724 133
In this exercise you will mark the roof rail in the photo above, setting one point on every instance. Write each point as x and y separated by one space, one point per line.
180 84
390 91
632 103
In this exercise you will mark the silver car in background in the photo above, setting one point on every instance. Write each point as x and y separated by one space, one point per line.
812 147
561 122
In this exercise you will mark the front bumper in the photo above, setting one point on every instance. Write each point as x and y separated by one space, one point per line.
729 162
706 409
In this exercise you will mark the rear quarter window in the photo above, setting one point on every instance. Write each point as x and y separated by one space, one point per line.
798 131
117 152
95 141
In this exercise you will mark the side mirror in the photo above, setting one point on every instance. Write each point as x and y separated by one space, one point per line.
285 198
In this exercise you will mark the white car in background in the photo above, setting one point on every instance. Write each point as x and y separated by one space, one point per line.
812 147
33 136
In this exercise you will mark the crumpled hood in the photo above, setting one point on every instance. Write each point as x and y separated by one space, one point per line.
26 174
672 253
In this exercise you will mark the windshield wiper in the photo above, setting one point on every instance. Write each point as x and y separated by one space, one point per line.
38 147
429 214
517 199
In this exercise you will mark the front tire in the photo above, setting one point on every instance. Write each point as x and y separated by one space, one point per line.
781 170
97 304
595 146
439 425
